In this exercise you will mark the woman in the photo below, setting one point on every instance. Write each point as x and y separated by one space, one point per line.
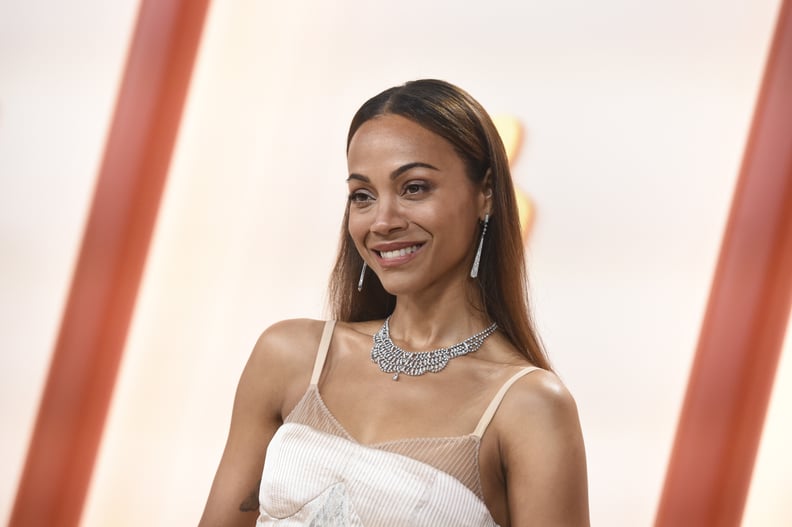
430 401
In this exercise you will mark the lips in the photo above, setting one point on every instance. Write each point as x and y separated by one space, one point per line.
396 253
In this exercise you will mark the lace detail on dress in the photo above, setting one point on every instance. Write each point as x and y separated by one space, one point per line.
336 510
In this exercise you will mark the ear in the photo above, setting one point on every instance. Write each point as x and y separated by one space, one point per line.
485 195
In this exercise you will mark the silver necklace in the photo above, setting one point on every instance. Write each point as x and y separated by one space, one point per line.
391 358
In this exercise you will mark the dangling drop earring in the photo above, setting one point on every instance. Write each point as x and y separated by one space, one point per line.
362 275
477 259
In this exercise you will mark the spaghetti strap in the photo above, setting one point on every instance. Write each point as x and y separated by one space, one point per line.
321 354
493 406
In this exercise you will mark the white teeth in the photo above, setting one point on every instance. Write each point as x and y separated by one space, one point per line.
387 255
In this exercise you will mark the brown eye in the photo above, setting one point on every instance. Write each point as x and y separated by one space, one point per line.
415 188
360 196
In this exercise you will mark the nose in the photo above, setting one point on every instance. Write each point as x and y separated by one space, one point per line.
388 217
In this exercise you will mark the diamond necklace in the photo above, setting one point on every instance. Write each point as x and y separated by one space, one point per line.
391 358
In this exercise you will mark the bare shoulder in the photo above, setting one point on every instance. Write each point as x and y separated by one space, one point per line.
292 331
540 394
537 409
542 452
288 343
281 362
278 369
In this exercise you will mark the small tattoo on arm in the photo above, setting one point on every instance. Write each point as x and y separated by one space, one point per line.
251 503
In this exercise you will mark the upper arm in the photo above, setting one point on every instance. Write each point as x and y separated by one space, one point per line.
256 416
543 454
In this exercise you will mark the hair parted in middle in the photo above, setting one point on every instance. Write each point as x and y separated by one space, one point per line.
454 115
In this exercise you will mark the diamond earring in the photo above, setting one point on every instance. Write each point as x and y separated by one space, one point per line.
477 260
362 275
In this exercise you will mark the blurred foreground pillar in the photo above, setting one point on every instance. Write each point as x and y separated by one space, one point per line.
115 243
731 381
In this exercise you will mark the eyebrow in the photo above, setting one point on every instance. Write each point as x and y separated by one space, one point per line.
396 173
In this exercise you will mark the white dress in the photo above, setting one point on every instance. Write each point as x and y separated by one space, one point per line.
316 474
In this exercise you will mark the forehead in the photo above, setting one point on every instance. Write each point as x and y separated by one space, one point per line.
392 140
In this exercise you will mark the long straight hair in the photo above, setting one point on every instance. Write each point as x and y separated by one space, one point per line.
453 114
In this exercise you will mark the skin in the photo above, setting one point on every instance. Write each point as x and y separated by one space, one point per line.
408 188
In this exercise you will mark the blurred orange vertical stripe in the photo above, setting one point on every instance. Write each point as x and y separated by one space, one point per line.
731 381
107 275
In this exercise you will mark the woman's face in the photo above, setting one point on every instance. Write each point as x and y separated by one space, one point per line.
413 211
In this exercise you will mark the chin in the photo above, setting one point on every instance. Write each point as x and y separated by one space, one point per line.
397 290
407 287
399 283
398 286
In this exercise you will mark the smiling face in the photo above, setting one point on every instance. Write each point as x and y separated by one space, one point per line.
413 211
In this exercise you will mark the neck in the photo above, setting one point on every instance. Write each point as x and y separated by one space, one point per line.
433 319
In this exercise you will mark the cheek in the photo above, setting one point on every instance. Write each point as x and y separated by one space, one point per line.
457 225
357 229
464 236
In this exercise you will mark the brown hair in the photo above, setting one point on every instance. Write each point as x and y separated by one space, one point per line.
453 114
